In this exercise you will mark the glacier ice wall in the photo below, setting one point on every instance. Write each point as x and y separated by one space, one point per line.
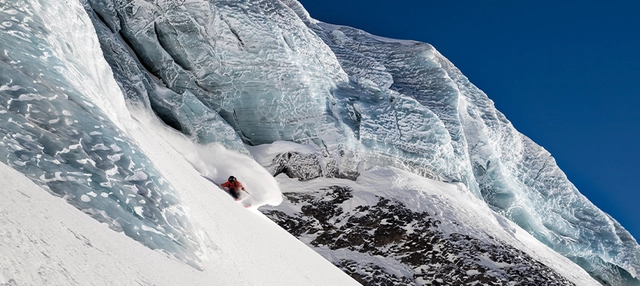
266 71
212 72
63 125
261 71
515 176
272 81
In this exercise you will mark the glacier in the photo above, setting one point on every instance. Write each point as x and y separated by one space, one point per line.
245 74
515 176
63 130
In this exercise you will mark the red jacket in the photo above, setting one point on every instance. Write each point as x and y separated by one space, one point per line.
235 185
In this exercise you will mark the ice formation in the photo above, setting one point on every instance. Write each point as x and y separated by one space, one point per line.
246 73
514 175
63 125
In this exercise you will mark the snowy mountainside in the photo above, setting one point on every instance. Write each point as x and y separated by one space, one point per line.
81 96
514 175
46 241
101 193
390 227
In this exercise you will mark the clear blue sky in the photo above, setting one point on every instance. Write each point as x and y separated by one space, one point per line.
565 73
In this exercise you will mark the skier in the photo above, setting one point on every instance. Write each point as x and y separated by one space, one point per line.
233 187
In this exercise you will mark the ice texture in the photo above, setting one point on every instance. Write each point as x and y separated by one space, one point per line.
252 69
514 175
63 120
273 74
250 73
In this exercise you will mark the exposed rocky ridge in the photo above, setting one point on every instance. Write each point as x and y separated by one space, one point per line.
414 239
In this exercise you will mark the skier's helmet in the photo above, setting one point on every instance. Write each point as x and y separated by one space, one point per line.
232 178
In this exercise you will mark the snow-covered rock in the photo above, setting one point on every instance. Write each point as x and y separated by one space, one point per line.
391 227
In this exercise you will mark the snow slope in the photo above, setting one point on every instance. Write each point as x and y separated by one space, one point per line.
452 206
46 241
100 198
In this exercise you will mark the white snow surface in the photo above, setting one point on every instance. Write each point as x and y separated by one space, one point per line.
46 241
212 161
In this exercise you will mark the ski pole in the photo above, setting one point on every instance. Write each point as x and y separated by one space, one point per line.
249 194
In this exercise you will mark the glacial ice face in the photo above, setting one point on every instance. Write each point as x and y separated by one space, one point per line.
252 68
263 74
181 110
272 73
62 125
515 176
395 127
255 72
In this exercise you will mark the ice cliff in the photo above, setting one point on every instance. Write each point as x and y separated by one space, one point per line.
62 128
246 73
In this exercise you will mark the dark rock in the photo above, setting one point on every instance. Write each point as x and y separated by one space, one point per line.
413 239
